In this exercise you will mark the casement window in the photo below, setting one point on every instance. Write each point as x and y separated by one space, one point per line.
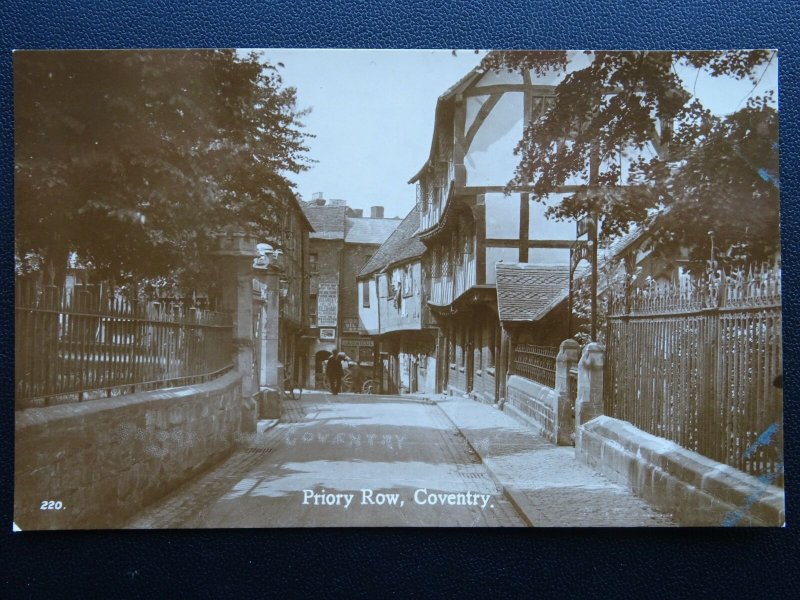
313 263
408 282
312 310
365 293
422 196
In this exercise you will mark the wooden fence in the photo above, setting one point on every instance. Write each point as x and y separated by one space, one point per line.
76 345
537 363
697 363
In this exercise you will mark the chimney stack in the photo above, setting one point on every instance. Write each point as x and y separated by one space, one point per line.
337 202
317 199
358 212
376 212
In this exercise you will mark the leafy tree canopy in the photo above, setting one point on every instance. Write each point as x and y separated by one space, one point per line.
134 159
700 172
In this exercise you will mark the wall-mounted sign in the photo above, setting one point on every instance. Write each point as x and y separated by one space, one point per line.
351 325
328 333
327 304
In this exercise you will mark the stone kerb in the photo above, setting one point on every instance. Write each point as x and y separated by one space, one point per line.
589 403
565 422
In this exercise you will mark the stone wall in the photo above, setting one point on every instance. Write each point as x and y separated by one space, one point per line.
695 490
534 404
104 460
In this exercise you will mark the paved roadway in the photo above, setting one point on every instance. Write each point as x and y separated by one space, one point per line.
325 453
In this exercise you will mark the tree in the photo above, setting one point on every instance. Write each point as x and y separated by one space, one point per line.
699 172
133 159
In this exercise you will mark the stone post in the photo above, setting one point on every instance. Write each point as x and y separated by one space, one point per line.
501 368
590 383
565 421
268 271
235 253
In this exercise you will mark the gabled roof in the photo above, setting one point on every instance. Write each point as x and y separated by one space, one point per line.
525 292
333 223
448 94
328 221
365 230
402 245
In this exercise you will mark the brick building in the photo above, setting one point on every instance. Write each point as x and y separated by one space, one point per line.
342 242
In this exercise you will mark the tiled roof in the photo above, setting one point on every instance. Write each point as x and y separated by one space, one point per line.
328 221
365 230
517 304
525 292
401 246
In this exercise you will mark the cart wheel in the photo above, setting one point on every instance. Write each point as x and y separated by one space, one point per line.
347 381
370 387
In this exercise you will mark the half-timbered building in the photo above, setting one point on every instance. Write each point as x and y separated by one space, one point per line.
469 221
393 309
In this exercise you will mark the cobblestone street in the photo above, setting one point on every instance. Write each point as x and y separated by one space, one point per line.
340 445
300 473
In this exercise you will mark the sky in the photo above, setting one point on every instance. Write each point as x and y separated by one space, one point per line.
372 112
372 115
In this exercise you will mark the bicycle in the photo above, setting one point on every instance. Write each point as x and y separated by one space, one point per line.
291 389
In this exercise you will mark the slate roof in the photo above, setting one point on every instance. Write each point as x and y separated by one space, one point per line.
527 292
328 221
365 230
401 246
333 223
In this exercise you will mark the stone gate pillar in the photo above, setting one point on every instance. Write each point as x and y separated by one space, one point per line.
589 403
268 270
235 253
565 422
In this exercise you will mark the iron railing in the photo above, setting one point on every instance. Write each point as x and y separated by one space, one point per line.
74 345
535 362
696 363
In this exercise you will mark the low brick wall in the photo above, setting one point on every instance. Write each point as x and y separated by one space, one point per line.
106 459
534 404
696 490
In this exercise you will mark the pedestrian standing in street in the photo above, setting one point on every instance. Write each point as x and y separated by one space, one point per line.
334 372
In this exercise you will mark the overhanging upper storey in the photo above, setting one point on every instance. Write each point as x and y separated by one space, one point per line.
479 122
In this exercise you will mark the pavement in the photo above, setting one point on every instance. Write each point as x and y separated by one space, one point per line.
371 461
544 482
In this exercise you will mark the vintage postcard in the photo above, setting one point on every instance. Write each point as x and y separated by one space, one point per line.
265 288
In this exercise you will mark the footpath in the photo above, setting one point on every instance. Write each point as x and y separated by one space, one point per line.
544 481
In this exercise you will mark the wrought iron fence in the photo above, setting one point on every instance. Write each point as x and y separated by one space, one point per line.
81 344
535 362
696 363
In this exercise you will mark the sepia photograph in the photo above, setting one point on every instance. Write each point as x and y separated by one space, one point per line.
270 288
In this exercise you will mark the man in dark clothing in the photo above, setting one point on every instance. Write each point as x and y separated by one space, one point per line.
334 372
